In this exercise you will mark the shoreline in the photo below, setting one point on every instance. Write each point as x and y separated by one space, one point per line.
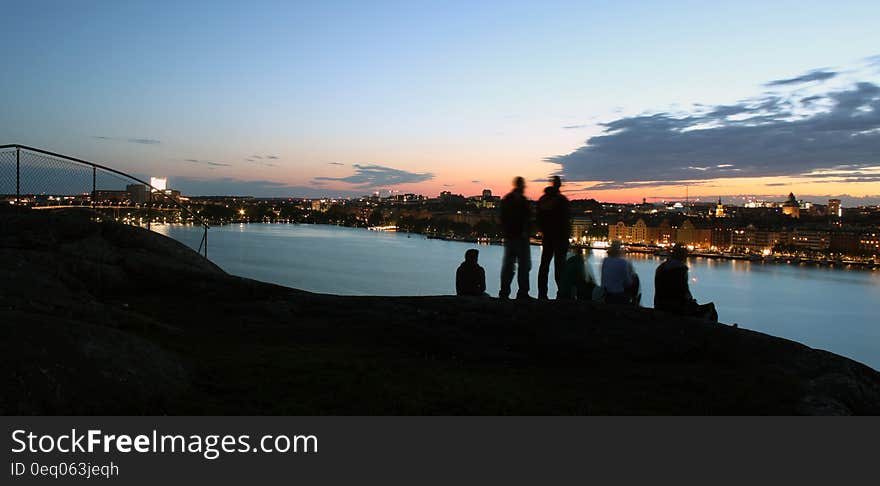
840 264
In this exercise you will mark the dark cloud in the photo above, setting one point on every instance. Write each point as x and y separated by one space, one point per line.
143 141
771 136
207 162
272 157
475 182
376 176
817 75
572 127
335 163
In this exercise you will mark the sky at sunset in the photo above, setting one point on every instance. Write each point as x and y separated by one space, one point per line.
625 100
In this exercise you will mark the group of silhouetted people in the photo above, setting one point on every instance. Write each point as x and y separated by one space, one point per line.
574 280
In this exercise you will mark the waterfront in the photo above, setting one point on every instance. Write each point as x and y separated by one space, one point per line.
826 308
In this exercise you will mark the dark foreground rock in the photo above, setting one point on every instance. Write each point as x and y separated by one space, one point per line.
101 318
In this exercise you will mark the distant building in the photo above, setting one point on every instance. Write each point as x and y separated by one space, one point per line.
846 241
663 234
580 226
137 193
321 205
721 236
159 183
870 243
834 209
108 196
810 239
689 234
751 239
719 209
791 207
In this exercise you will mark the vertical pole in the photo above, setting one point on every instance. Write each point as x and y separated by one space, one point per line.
94 185
149 204
17 175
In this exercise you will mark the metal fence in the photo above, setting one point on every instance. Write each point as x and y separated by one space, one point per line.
39 179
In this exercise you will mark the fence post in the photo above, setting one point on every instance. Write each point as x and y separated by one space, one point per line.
17 176
149 204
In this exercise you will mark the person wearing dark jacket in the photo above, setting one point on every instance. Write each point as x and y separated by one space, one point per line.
515 225
577 279
553 221
470 279
672 292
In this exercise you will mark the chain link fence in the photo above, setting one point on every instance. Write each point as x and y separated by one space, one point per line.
43 180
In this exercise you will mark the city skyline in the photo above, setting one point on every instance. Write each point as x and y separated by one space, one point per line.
625 102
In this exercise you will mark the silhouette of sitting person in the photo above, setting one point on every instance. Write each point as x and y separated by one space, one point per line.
619 279
672 292
577 281
470 279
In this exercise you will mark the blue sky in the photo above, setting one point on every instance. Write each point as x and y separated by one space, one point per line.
461 95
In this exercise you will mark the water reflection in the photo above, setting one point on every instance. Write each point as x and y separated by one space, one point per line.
829 308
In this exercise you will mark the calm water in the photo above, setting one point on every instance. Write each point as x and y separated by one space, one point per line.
825 308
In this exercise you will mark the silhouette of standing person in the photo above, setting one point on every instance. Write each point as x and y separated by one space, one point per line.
553 221
515 225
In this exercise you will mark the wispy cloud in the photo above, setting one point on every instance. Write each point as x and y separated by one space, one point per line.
377 177
572 127
143 141
815 75
207 162
261 159
335 163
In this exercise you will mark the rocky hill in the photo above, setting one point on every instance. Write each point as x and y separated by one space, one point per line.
102 318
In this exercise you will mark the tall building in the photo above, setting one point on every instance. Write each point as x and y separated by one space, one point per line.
158 183
791 207
137 193
834 209
719 209
580 225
